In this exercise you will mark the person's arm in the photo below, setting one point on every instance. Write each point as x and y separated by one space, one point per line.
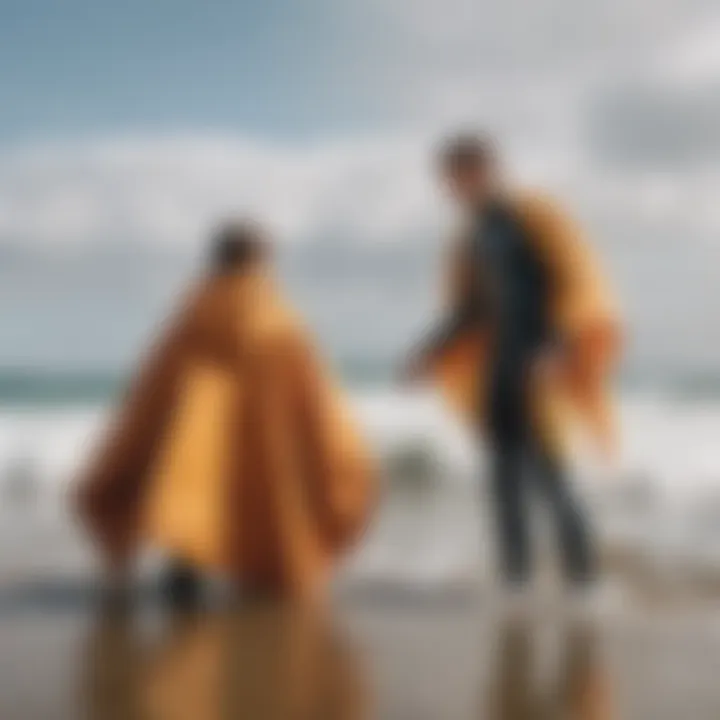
466 310
441 337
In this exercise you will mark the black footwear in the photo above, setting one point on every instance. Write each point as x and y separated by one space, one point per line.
116 600
181 588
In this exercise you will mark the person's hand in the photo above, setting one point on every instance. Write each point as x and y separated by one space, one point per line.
549 365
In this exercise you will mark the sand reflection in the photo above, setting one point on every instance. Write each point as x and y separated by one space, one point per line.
523 689
268 662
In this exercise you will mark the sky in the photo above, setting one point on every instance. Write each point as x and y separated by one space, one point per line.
139 124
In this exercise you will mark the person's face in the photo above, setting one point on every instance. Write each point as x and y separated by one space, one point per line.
470 185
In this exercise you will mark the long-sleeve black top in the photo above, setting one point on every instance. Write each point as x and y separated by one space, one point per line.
505 284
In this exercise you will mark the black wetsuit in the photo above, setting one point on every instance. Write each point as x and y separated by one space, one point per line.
511 291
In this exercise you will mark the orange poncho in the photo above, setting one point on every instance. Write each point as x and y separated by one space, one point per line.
233 451
584 313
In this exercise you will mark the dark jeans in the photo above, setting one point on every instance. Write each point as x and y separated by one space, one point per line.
520 464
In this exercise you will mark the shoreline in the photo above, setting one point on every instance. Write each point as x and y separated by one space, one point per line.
354 660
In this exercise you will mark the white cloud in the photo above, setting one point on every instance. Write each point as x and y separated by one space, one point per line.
529 72
694 58
171 189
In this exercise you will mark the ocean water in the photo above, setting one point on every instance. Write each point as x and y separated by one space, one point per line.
658 503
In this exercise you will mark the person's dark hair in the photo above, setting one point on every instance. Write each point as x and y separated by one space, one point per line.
237 245
466 151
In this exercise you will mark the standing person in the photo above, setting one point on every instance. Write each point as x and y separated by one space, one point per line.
529 340
234 451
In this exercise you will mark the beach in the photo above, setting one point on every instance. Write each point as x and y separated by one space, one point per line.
444 660
414 630
218 211
656 507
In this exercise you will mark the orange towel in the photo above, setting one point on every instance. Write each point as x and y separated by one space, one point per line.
584 312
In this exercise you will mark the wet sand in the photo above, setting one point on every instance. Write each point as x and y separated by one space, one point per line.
391 653
61 657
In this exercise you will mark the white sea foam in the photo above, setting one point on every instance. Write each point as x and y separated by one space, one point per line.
660 501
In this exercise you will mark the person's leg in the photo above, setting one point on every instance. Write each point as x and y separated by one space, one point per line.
506 434
510 514
550 475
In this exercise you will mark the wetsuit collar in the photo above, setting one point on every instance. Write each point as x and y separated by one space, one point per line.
491 204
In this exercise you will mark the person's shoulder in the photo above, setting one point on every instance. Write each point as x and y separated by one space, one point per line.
544 216
537 204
